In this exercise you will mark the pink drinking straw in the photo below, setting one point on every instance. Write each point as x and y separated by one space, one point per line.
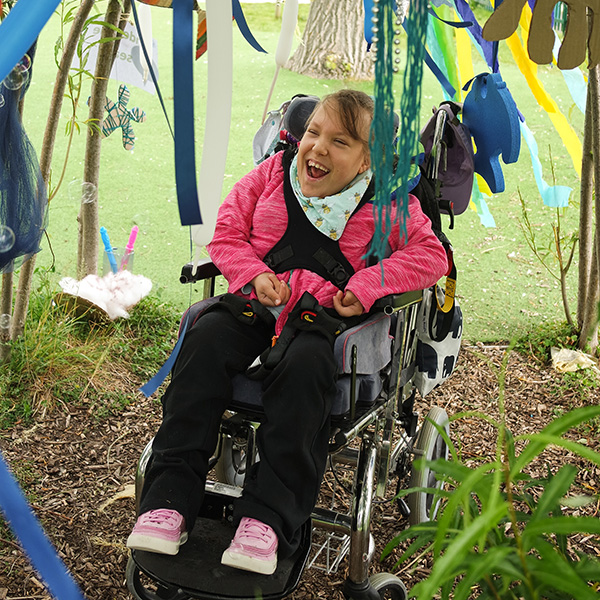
129 247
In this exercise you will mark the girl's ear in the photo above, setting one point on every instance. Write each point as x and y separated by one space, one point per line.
365 164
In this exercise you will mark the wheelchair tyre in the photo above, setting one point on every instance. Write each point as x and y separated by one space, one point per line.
430 446
231 466
388 586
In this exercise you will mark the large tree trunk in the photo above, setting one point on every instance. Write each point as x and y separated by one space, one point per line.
333 45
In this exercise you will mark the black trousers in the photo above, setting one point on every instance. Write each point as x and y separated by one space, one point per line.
292 441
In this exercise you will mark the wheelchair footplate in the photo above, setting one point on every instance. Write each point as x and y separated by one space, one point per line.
196 571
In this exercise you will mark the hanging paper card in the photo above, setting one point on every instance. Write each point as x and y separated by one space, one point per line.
129 63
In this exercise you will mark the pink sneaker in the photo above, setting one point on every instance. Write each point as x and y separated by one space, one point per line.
254 548
161 530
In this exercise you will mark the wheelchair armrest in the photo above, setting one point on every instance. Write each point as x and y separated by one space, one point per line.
206 269
395 302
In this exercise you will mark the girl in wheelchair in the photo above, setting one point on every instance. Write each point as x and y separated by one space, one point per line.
318 195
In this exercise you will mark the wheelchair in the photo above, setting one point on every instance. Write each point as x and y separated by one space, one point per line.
375 435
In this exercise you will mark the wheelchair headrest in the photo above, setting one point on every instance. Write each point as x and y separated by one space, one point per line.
297 113
300 108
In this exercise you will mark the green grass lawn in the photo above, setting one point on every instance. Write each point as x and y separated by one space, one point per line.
502 287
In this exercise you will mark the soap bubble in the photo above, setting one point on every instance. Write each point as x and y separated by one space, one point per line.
5 321
16 79
82 191
88 192
24 64
7 238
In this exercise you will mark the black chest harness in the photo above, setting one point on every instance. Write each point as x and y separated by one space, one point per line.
303 246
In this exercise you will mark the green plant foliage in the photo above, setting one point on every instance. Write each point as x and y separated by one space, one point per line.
538 341
70 358
501 533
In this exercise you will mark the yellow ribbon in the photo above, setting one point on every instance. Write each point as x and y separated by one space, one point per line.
529 70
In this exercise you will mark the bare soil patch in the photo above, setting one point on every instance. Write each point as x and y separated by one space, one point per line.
78 471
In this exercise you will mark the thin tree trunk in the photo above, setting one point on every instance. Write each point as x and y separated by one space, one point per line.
586 212
333 44
591 293
87 251
5 315
27 269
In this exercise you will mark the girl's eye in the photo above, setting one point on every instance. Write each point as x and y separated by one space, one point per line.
342 142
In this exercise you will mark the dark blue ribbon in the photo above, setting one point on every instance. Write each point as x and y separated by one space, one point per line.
489 49
183 100
240 19
147 57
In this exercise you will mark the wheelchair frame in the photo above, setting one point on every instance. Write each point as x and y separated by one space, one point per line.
375 443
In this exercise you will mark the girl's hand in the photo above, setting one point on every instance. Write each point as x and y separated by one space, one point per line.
270 290
347 304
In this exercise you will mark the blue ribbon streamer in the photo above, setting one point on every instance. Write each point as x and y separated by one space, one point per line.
28 530
433 63
149 388
489 49
183 100
240 19
148 62
20 29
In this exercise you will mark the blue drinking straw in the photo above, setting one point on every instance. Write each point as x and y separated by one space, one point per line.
108 248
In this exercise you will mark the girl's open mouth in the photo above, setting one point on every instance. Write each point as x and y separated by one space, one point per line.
315 171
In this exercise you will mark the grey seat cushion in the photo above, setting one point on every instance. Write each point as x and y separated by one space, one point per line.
374 351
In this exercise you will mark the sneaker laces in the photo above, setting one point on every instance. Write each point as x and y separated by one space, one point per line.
256 530
161 516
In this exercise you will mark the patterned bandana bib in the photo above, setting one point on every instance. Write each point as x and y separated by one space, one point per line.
330 214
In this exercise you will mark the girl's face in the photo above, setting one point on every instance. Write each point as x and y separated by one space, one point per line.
328 157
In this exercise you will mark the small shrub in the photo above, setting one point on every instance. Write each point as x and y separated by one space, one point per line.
538 342
502 533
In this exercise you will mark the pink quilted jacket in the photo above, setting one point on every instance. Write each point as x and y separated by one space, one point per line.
253 218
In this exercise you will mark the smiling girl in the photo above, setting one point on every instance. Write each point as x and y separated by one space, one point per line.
301 222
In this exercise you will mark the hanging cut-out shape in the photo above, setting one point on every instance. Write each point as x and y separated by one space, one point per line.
119 116
505 19
491 115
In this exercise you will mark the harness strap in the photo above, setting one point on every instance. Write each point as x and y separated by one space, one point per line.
308 315
247 311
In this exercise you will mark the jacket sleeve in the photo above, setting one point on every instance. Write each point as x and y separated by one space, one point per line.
231 248
414 265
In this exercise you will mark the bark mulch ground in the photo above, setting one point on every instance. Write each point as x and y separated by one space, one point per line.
78 471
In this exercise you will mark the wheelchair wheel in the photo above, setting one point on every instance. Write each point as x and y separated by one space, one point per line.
231 466
388 586
430 446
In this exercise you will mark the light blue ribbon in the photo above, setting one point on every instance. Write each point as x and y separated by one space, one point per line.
552 195
483 212
574 80
28 530
21 28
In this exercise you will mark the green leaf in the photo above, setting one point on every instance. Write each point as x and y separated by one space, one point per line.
562 525
554 490
551 571
479 566
537 443
454 560
460 497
